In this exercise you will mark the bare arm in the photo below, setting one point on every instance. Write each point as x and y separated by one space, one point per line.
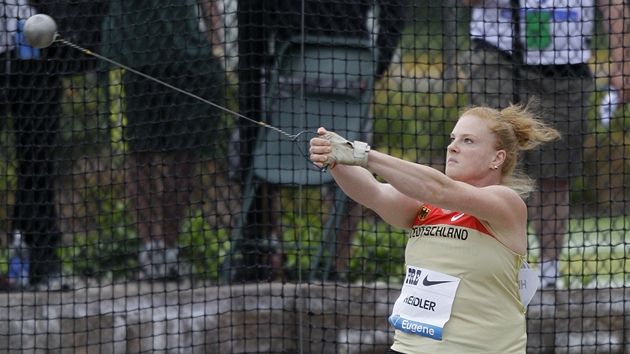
498 205
490 203
392 206
616 14
214 24
410 184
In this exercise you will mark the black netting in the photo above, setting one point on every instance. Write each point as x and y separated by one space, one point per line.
157 194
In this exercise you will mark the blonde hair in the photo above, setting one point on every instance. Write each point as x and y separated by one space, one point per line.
517 128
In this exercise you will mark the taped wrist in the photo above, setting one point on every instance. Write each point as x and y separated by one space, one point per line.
345 152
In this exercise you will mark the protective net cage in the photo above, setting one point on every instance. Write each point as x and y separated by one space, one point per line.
157 194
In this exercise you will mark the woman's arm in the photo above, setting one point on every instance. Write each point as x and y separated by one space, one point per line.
495 204
410 184
498 205
615 20
392 206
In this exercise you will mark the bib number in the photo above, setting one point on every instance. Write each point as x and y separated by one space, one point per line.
425 302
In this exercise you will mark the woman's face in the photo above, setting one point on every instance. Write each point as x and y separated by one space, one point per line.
471 155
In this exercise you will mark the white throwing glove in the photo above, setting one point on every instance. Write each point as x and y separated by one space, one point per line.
345 152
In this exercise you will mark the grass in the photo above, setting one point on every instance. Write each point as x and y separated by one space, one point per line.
595 253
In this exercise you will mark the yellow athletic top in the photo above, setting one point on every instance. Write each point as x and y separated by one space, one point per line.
487 315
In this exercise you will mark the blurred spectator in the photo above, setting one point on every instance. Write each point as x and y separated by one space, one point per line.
30 95
168 133
546 57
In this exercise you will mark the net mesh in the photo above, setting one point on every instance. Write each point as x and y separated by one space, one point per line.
139 218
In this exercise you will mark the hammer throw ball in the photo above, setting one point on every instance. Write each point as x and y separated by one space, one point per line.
40 31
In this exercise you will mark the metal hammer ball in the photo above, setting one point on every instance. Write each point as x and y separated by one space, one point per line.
40 31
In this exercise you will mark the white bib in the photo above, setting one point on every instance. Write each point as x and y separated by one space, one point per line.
425 302
553 32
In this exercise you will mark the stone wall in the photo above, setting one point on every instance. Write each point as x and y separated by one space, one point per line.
271 318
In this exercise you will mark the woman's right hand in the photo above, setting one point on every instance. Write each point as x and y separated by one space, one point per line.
320 149
331 149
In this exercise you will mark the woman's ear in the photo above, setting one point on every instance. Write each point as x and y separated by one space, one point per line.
499 158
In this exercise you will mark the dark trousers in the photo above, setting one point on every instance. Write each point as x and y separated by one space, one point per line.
31 98
252 40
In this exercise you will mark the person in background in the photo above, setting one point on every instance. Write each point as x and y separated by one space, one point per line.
168 133
468 229
214 29
30 97
263 25
523 49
